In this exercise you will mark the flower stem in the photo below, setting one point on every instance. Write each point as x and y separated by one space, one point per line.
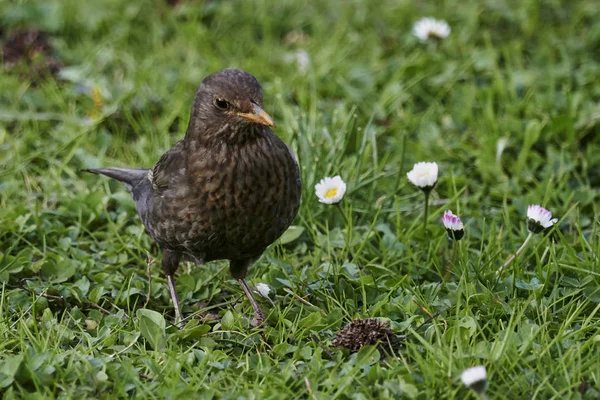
339 207
455 245
512 258
341 210
426 192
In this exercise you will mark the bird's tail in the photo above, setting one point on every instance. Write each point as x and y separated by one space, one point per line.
129 176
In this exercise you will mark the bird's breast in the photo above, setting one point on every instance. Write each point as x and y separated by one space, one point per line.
242 198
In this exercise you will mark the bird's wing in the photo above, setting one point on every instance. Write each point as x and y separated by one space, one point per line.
167 166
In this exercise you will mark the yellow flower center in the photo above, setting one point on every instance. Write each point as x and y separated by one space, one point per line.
330 193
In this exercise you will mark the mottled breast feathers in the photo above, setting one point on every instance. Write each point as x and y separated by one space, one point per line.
225 201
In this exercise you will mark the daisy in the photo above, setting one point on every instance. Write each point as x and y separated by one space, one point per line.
475 378
453 224
330 190
301 58
431 28
263 289
303 61
538 218
424 175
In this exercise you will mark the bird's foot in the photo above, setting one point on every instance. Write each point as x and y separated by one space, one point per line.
259 316
258 319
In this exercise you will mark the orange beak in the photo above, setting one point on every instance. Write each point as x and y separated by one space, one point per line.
258 116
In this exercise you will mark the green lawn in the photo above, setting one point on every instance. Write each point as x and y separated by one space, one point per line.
508 106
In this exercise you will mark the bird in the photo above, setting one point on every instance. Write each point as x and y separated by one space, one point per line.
227 190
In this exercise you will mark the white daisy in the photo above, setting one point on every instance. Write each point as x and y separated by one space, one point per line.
475 378
303 61
330 190
431 28
424 175
301 58
453 224
538 218
263 289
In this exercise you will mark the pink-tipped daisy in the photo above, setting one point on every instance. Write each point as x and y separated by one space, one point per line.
475 378
538 218
454 226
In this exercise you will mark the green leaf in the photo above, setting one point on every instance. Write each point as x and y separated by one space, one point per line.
408 389
284 348
58 270
368 355
469 323
96 294
228 320
312 321
152 326
592 294
9 265
534 284
192 331
292 233
206 342
8 369
306 353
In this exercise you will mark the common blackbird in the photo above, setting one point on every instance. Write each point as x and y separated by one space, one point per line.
227 190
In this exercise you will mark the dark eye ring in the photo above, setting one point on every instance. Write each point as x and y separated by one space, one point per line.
221 104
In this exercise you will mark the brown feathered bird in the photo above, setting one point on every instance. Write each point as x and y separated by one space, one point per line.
227 190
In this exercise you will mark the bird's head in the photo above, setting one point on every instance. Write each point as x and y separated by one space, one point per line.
228 105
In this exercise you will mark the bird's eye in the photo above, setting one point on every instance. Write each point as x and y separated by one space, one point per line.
221 104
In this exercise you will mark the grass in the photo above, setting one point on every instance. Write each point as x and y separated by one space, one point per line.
507 105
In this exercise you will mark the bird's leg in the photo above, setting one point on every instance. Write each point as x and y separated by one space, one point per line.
170 262
238 270
174 298
259 316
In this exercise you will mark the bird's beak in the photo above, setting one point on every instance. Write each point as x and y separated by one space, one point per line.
258 116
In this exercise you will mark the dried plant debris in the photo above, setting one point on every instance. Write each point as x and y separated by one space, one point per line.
362 332
32 48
